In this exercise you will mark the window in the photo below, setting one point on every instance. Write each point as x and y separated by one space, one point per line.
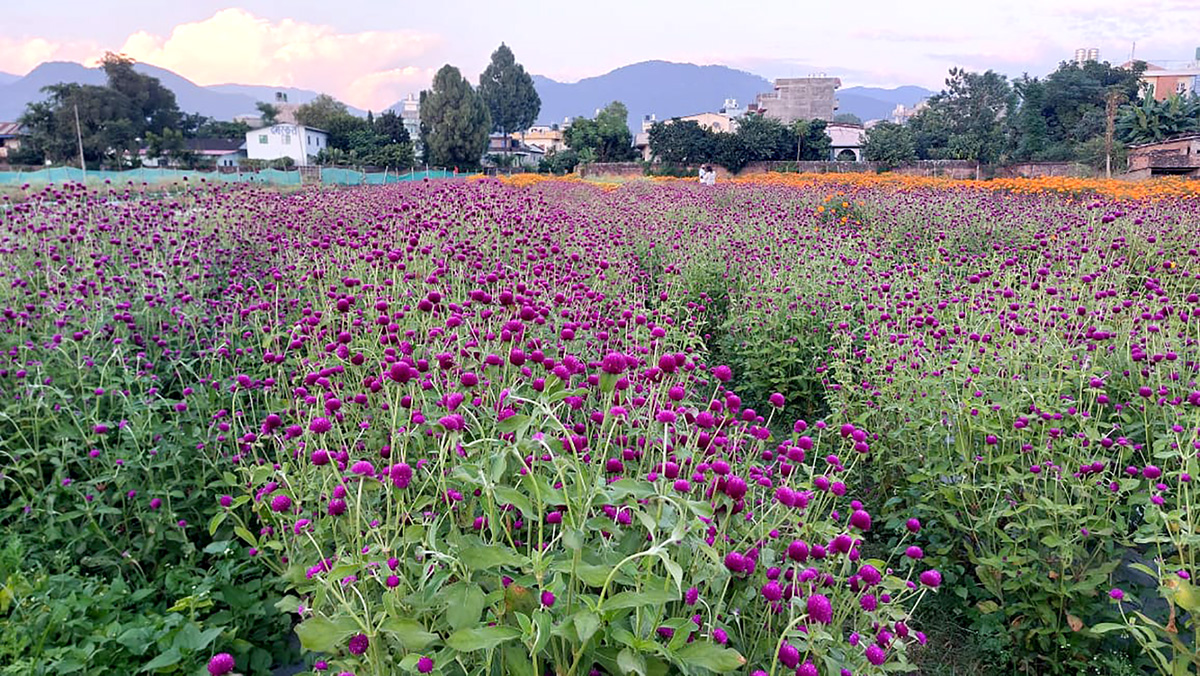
262 138
287 139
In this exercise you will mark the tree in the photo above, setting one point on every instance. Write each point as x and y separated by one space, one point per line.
508 91
1031 126
151 106
391 126
558 162
606 138
454 121
682 142
847 118
764 139
890 144
321 111
230 131
973 111
811 141
269 113
1151 121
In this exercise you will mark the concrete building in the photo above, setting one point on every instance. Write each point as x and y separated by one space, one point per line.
846 140
800 98
902 113
1175 157
410 114
716 122
545 138
286 140
520 154
732 109
10 138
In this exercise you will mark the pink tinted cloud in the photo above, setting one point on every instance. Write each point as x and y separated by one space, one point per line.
364 69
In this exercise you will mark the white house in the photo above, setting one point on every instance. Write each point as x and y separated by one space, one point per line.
846 141
286 140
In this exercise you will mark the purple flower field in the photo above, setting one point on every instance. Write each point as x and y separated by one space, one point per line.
469 428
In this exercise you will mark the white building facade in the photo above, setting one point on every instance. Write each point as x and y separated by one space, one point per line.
286 140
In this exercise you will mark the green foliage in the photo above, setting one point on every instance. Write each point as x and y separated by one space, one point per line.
890 144
508 92
232 131
390 126
558 162
1151 121
848 118
606 138
811 141
322 112
269 113
682 142
454 121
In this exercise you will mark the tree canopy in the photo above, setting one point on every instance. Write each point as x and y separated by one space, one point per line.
508 91
454 121
606 138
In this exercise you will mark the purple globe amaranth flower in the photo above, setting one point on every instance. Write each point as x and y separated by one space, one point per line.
547 599
789 655
363 468
358 644
724 374
1116 594
400 475
776 400
860 520
221 664
691 596
425 665
913 525
931 578
819 608
320 425
876 655
281 503
807 669
613 363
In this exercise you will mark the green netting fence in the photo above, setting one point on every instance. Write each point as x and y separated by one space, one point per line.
327 176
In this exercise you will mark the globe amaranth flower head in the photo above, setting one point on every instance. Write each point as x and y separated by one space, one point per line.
819 608
220 664
425 665
320 425
931 578
358 644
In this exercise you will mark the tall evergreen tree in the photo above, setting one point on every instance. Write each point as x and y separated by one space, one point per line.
509 93
454 121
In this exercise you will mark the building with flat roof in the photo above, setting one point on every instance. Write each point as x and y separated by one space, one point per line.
800 98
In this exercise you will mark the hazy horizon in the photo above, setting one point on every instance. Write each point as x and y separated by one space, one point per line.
371 55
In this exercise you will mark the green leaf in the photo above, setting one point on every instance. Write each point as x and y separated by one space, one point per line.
709 655
645 598
480 638
215 522
513 423
506 495
479 557
409 633
586 624
169 658
318 634
630 662
517 662
1106 627
573 539
466 601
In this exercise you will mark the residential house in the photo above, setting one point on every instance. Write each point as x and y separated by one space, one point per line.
846 140
523 154
1173 157
286 140
217 152
800 98
410 114
1169 78
546 138
10 138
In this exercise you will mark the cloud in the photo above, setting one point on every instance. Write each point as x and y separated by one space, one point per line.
21 56
365 69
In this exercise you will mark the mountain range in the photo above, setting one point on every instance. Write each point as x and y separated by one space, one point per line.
658 88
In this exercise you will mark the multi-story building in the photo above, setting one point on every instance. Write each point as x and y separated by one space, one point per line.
800 98
10 138
548 138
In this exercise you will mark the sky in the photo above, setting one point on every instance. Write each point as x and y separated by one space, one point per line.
371 54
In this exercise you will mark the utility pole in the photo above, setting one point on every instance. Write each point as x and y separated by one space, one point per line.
79 138
1111 101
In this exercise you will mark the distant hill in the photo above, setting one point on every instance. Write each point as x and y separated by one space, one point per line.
874 103
267 93
667 90
6 78
219 101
